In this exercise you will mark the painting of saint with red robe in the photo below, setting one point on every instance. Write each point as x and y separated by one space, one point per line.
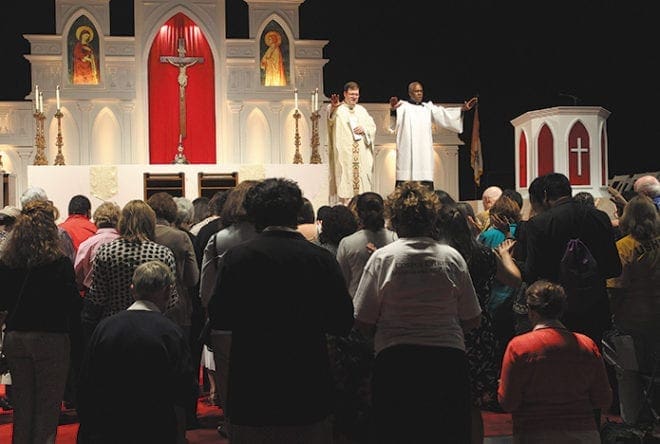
83 53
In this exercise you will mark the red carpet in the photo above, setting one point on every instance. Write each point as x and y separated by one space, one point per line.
68 429
495 425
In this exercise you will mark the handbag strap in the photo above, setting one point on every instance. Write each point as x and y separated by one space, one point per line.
18 300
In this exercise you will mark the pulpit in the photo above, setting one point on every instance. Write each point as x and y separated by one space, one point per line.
571 140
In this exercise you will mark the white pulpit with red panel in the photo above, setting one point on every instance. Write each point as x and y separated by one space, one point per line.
571 140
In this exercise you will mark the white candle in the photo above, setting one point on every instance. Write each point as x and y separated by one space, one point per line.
41 102
36 98
295 99
57 96
180 139
316 99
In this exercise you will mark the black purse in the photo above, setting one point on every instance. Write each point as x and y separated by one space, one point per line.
4 363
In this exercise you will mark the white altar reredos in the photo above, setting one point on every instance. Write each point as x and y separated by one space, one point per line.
108 123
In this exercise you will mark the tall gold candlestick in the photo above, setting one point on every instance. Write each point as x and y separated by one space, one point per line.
59 158
297 158
315 157
39 139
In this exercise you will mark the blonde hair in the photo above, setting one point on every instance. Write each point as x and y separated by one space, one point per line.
107 215
137 222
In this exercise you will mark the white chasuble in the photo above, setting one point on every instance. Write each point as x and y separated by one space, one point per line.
350 155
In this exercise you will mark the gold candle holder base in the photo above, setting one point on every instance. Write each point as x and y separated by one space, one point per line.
59 157
39 139
316 156
297 157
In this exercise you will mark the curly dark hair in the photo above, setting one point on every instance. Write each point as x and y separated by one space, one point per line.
371 211
34 239
338 223
274 201
413 209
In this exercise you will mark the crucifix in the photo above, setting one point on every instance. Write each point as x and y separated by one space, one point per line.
182 62
579 150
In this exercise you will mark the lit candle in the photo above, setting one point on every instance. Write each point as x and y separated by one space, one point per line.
36 98
57 96
295 99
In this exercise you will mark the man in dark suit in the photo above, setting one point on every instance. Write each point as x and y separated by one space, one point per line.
187 274
548 233
279 295
136 377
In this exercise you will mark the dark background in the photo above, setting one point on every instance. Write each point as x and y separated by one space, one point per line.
518 56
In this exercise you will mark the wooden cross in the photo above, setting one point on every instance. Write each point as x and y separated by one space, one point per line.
182 62
579 150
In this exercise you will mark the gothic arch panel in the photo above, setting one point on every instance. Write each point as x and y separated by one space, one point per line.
545 144
603 156
522 160
274 53
181 92
106 137
83 52
257 139
579 155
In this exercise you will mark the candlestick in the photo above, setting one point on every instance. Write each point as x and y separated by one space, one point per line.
297 157
295 99
316 156
39 139
59 157
57 96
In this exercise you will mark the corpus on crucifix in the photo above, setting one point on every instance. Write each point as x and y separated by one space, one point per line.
183 63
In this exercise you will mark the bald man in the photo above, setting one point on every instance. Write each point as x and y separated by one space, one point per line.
488 198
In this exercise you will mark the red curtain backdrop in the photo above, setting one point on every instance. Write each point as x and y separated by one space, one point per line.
199 144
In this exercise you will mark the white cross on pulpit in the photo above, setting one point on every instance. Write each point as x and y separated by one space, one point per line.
579 150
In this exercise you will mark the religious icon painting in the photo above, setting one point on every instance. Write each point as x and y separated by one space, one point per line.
274 50
83 53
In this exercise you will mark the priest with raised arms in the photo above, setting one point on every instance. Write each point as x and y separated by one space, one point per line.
414 132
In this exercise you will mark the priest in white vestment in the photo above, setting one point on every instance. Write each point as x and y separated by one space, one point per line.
414 132
351 132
